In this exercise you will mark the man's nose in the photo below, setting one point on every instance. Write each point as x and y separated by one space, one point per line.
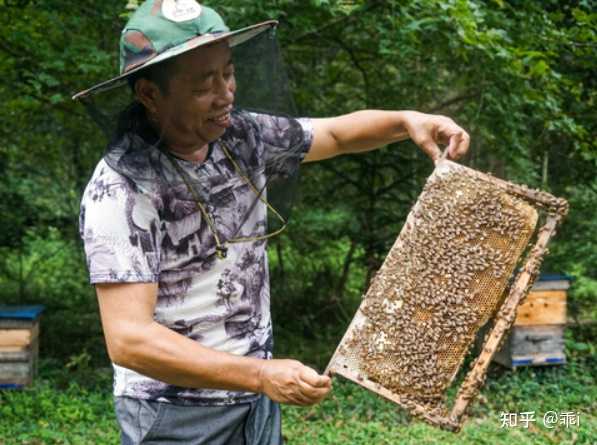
225 92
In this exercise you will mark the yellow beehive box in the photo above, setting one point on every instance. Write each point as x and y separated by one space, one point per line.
537 336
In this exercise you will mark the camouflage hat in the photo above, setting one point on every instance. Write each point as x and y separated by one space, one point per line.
162 29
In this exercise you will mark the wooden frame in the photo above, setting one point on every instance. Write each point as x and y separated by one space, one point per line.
453 419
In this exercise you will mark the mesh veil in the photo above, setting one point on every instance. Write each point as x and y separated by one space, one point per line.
137 152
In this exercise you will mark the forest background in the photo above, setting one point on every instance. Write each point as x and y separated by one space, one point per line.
518 75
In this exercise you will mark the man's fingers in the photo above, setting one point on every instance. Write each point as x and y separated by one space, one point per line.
447 132
297 398
454 141
431 149
311 377
304 394
465 142
458 144
313 385
314 395
428 130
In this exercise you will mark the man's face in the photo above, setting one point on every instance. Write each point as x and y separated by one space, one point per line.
195 110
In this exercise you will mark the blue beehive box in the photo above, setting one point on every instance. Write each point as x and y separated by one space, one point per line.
19 344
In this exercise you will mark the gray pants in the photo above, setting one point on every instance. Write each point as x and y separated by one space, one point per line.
149 422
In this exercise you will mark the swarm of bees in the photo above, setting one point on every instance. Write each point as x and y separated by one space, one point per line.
449 269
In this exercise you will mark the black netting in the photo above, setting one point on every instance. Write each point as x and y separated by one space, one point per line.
261 77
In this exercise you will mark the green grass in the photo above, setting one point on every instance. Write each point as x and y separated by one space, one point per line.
67 406
62 407
354 416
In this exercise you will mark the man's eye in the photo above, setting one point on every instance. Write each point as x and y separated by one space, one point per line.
203 90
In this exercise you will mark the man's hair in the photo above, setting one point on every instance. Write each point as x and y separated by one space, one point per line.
160 74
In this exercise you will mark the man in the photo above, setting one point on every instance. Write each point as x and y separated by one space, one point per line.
175 236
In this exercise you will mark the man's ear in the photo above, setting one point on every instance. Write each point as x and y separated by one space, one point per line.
149 94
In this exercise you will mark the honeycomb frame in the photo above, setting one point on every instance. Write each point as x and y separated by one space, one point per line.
349 360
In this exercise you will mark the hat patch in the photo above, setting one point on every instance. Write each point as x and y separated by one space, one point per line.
137 48
180 10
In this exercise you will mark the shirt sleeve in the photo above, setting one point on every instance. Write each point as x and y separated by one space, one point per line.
286 141
119 225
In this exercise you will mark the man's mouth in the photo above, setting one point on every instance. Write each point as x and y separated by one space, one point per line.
222 120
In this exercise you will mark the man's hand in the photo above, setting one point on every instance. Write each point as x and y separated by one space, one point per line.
289 381
428 130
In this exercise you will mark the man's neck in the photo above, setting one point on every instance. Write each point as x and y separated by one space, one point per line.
187 152
194 155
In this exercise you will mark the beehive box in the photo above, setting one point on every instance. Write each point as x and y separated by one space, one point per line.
537 336
19 345
449 272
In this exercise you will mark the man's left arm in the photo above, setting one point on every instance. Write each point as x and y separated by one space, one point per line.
369 129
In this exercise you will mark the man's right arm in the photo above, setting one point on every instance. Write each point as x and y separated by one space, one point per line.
136 341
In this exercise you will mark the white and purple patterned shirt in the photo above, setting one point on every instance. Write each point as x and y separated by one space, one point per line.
151 231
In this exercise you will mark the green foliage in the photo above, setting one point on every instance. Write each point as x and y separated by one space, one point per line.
60 409
45 265
518 75
352 415
578 254
69 406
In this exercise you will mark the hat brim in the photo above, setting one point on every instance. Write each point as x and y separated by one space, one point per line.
236 38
